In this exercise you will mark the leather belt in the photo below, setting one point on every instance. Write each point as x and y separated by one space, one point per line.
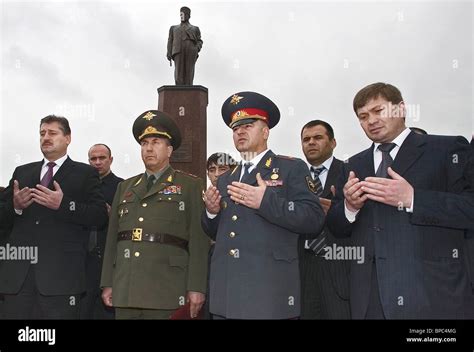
137 235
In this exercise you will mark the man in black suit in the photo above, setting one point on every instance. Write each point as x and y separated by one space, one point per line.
324 282
92 306
400 200
50 205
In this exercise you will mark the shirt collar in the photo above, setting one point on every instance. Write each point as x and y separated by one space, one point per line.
58 162
397 140
327 163
257 159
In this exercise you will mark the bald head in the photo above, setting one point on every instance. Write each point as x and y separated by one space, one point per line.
100 157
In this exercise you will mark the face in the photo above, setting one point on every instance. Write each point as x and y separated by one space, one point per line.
53 142
156 153
317 147
214 171
183 17
381 120
251 138
100 159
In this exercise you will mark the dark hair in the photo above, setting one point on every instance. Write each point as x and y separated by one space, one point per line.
220 159
418 130
62 121
329 130
186 10
104 145
375 90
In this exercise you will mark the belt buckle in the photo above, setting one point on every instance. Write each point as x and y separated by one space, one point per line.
137 234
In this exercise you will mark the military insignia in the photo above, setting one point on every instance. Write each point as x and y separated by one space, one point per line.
223 204
123 212
174 189
235 99
149 116
273 183
170 178
138 182
311 184
128 195
268 162
274 176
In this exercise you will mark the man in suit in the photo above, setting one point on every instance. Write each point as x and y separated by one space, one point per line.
324 282
399 199
256 214
156 252
50 205
92 306
184 45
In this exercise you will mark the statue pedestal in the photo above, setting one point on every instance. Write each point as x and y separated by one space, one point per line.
187 106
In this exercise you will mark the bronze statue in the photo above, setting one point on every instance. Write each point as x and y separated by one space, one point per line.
184 44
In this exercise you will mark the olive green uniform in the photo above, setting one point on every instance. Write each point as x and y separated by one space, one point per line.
156 275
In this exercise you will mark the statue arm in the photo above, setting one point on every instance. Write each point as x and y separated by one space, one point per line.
170 45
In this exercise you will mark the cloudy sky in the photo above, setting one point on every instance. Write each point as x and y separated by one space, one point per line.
99 63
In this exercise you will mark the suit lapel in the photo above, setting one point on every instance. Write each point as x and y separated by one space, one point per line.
35 177
331 179
165 180
409 152
139 188
63 171
364 164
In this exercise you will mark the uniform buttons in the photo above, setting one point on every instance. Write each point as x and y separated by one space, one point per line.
37 222
140 219
232 234
169 198
144 205
234 217
137 254
124 201
232 252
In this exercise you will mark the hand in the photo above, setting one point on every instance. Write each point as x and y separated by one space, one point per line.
23 198
48 198
354 196
247 195
169 57
326 204
396 191
107 296
196 300
212 200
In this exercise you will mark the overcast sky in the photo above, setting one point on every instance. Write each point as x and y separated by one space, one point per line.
99 64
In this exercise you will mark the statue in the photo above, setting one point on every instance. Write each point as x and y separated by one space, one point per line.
184 44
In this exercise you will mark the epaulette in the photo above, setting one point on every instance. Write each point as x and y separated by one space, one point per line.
285 157
186 173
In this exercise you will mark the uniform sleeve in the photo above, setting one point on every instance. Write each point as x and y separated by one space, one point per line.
111 242
301 211
198 242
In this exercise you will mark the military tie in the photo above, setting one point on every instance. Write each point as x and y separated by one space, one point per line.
317 244
387 160
150 182
48 176
246 174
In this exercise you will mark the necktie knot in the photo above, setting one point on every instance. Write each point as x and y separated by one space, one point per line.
48 176
386 147
317 170
247 167
150 182
51 164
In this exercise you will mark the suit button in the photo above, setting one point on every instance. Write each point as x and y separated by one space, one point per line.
140 219
232 252
37 222
376 228
144 205
234 217
124 201
137 254
232 234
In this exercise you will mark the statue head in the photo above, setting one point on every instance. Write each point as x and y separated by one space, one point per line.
185 13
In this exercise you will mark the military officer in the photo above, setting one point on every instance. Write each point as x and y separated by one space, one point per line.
156 252
255 215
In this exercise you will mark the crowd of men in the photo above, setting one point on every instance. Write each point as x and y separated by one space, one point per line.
386 234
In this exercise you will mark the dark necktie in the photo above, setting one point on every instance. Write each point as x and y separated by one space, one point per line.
387 160
246 174
319 186
48 176
317 244
150 182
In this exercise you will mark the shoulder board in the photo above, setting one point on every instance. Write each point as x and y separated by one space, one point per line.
285 157
186 173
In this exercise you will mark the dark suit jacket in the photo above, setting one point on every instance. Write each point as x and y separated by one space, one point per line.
181 32
60 235
325 283
261 280
420 258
